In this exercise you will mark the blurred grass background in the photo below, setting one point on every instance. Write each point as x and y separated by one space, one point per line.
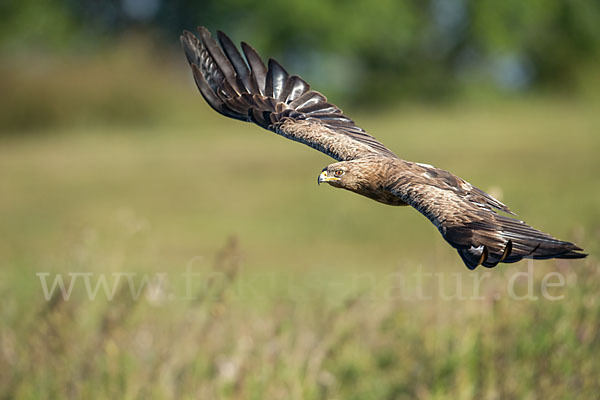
110 162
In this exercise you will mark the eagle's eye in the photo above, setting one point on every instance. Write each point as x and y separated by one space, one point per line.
338 172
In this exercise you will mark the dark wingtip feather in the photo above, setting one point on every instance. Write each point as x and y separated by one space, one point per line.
187 40
257 66
473 257
573 254
469 262
240 66
276 79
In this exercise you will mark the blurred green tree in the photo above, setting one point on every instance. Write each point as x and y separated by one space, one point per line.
384 49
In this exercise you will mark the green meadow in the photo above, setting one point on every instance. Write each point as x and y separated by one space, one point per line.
229 274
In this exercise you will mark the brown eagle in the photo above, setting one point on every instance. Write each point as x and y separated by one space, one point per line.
242 87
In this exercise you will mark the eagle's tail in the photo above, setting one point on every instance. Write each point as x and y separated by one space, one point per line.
510 240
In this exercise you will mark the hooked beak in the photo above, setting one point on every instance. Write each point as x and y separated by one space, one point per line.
325 178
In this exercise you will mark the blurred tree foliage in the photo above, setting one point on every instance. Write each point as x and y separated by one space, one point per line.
424 48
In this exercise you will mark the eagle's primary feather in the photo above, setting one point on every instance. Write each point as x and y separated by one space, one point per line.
242 87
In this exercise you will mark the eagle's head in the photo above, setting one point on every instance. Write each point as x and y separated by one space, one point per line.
365 176
349 175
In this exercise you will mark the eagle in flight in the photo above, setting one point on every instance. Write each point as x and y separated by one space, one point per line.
242 87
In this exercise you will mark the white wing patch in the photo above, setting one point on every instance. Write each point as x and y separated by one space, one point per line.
425 165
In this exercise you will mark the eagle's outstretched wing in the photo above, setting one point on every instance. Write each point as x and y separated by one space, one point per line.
467 218
245 89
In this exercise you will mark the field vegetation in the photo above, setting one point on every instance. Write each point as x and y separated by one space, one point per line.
231 275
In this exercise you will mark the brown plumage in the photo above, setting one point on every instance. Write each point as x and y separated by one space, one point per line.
245 89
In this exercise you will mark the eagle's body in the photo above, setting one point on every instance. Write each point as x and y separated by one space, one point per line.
466 217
